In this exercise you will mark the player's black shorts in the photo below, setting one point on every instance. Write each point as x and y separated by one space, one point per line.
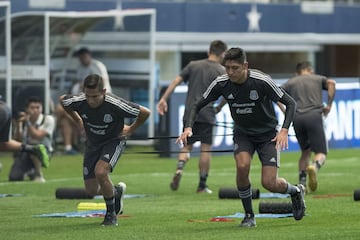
109 152
310 133
261 143
202 132
5 121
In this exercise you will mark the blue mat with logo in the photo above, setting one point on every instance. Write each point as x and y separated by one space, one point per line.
260 215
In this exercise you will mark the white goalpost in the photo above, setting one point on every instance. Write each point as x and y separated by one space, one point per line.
43 40
5 51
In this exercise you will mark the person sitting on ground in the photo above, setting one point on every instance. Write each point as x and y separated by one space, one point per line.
10 145
33 127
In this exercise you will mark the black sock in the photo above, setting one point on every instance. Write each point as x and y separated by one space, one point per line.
180 165
291 189
246 199
302 177
203 178
318 164
110 204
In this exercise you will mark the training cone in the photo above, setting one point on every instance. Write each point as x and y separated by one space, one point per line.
357 195
233 193
91 206
72 193
275 207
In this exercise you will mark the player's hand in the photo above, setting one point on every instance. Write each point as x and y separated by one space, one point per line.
281 140
182 139
326 110
162 107
127 131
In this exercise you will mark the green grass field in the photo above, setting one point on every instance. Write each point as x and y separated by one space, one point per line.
331 212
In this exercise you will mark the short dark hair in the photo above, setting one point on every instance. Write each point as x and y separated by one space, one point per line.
302 66
33 99
94 81
83 50
235 54
217 47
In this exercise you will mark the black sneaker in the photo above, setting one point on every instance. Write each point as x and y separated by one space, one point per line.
248 221
119 195
298 202
110 219
174 185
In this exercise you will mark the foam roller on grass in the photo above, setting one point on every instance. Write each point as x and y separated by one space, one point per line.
275 207
233 193
72 193
357 195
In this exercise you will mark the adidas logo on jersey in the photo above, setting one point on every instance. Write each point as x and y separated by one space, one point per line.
230 96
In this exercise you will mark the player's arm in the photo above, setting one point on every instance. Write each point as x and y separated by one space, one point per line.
212 93
182 139
74 115
162 106
144 114
290 109
222 103
331 89
282 137
281 106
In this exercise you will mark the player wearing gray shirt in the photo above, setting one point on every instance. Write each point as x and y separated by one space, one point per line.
198 75
307 90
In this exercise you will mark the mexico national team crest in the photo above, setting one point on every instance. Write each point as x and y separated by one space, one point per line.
254 95
108 118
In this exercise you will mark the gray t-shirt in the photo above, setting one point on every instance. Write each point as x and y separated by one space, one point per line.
198 75
307 91
47 124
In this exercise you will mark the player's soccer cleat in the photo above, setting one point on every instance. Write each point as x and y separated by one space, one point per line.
40 152
311 170
248 221
174 185
110 219
120 189
298 202
204 190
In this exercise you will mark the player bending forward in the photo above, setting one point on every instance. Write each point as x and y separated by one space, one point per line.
101 115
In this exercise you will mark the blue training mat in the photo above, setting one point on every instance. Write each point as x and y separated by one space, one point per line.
274 195
2 195
261 215
126 196
92 213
